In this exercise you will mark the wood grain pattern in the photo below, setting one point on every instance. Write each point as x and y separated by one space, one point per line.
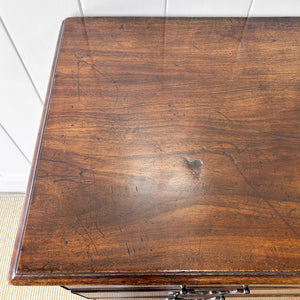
170 154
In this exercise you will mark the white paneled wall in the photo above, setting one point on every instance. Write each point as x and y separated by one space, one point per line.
123 8
28 35
14 167
215 8
275 8
20 105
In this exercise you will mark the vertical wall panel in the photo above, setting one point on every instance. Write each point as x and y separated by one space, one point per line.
20 107
123 8
280 8
209 8
34 27
14 169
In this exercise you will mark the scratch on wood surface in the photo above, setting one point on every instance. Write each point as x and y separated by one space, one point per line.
112 195
87 234
239 151
128 251
224 153
64 179
102 73
96 225
78 80
221 153
228 119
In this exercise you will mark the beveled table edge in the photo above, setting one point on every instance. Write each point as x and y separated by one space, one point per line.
158 278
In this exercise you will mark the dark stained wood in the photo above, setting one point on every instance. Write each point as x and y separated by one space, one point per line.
170 154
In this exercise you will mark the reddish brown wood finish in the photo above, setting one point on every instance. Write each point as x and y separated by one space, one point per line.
170 154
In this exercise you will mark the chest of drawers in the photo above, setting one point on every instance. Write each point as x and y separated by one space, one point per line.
168 161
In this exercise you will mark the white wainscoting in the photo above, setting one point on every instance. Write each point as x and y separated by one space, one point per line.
20 105
123 8
14 167
234 8
208 8
28 35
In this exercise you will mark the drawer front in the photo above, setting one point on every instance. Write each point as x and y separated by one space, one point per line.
184 292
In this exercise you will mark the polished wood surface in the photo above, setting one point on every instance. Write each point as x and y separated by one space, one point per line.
170 154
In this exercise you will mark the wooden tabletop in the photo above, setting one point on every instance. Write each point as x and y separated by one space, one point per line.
169 153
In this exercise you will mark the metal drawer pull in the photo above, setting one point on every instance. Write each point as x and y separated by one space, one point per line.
193 294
